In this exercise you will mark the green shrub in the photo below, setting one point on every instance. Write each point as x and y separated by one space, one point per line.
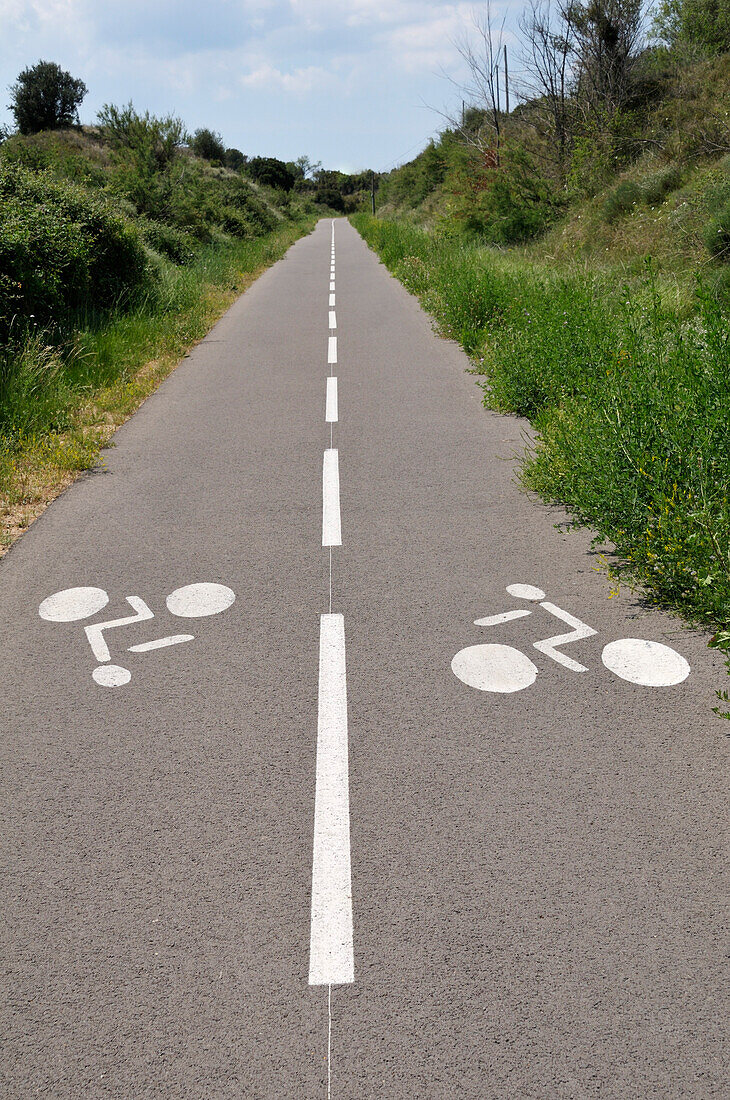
621 200
717 235
656 187
271 172
62 249
237 223
209 145
173 243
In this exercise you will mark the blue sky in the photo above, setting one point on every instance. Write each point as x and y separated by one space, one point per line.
354 84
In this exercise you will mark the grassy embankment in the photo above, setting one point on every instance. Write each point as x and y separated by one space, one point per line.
627 381
100 297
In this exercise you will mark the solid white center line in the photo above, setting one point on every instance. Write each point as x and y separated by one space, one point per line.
333 319
331 528
332 350
330 415
331 960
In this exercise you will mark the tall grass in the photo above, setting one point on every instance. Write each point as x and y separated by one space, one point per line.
627 386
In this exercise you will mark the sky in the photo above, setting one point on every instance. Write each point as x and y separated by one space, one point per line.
351 83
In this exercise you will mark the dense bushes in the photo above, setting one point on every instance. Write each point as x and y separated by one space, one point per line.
61 249
173 243
271 172
631 397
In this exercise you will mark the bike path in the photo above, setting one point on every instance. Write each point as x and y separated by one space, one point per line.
536 901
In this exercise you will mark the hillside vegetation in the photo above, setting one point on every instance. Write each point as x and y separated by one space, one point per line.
586 270
119 247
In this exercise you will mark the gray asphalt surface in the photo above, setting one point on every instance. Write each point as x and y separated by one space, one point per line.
538 899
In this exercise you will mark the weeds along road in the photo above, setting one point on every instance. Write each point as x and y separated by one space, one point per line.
329 766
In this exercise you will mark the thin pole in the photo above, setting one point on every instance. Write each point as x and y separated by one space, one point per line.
372 192
506 81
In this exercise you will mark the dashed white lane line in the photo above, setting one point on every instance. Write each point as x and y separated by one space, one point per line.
330 415
333 319
332 286
331 528
331 958
332 350
332 301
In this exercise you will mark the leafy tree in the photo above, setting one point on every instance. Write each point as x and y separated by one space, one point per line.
234 159
328 196
305 168
271 172
701 23
208 145
45 97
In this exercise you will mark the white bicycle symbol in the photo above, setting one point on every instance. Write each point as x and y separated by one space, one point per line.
193 601
504 669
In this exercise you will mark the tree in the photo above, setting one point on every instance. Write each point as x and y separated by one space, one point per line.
305 168
208 145
45 97
548 40
234 159
607 40
271 172
481 50
703 24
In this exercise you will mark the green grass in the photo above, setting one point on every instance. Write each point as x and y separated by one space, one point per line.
627 384
62 395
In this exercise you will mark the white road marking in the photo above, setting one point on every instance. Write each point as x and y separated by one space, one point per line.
331 528
332 301
330 415
580 631
95 632
160 643
497 668
331 960
526 591
505 617
111 676
195 601
332 285
333 319
648 663
73 604
332 350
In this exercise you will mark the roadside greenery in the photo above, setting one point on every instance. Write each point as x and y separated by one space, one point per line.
119 247
627 384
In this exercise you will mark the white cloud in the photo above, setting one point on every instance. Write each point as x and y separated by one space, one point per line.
268 78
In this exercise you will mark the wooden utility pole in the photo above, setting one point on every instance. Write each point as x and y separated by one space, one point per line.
506 81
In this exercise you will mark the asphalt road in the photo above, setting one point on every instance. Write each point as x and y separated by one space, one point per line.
515 887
